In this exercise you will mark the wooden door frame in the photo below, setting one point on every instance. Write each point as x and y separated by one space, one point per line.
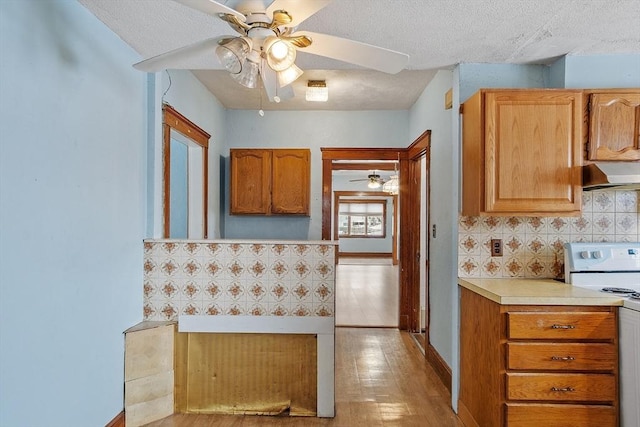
410 231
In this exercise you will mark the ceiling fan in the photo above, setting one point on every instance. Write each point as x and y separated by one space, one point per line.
374 180
265 50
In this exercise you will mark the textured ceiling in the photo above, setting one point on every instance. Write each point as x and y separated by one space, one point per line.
437 34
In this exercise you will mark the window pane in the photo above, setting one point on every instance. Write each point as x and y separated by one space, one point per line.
374 226
343 225
357 225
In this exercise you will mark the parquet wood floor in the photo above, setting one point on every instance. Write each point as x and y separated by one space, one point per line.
382 380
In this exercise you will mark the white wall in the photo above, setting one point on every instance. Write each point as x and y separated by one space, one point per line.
72 216
305 129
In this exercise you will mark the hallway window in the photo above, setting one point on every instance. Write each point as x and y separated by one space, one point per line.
362 218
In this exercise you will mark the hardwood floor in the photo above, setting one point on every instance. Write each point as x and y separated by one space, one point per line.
382 380
367 293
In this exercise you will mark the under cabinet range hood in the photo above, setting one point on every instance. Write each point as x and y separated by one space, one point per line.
618 175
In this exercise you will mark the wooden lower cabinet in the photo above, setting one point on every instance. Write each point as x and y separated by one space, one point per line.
542 366
536 415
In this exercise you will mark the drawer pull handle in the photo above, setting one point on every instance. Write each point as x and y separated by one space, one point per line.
563 359
556 326
563 389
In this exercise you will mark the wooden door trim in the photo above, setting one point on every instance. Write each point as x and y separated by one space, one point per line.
410 235
409 302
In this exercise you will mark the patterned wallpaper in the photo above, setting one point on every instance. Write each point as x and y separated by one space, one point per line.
237 278
533 246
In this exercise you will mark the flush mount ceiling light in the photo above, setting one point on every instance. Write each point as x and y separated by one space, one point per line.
317 91
267 46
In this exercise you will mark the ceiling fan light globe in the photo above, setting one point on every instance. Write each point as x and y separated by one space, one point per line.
232 54
280 54
373 184
289 75
249 75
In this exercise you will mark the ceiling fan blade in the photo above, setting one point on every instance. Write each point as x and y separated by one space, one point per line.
298 9
353 52
174 58
211 7
271 86
356 180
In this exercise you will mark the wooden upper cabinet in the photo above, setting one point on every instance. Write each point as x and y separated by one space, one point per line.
614 125
250 181
521 153
290 182
270 181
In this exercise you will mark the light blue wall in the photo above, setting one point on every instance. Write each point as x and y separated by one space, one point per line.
429 113
72 216
476 76
305 129
191 98
602 71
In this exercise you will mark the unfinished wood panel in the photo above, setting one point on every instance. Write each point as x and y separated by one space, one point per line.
149 388
149 374
144 413
148 352
251 374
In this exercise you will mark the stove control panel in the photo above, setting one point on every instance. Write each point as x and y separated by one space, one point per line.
603 257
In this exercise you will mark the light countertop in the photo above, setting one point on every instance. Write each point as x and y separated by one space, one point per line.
536 292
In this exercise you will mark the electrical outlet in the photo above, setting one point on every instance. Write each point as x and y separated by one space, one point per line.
496 247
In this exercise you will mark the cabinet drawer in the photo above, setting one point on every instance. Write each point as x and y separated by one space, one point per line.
561 325
562 356
553 415
561 387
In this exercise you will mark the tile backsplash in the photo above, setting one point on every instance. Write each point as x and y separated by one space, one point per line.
533 246
237 278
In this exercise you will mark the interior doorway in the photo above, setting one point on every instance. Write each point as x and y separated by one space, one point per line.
411 262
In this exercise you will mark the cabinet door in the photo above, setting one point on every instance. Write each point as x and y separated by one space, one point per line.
290 177
532 152
614 131
250 181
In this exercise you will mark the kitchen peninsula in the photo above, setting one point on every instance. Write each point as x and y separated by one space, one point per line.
537 353
251 325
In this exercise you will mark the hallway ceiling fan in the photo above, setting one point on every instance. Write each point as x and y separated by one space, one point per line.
265 50
374 180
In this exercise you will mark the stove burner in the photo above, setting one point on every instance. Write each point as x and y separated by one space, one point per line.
622 291
635 295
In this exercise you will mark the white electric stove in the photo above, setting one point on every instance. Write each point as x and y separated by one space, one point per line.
615 268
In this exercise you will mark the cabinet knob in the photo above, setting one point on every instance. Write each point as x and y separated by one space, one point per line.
563 389
556 326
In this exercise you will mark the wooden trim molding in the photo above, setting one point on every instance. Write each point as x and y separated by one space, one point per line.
439 365
117 421
364 254
172 119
